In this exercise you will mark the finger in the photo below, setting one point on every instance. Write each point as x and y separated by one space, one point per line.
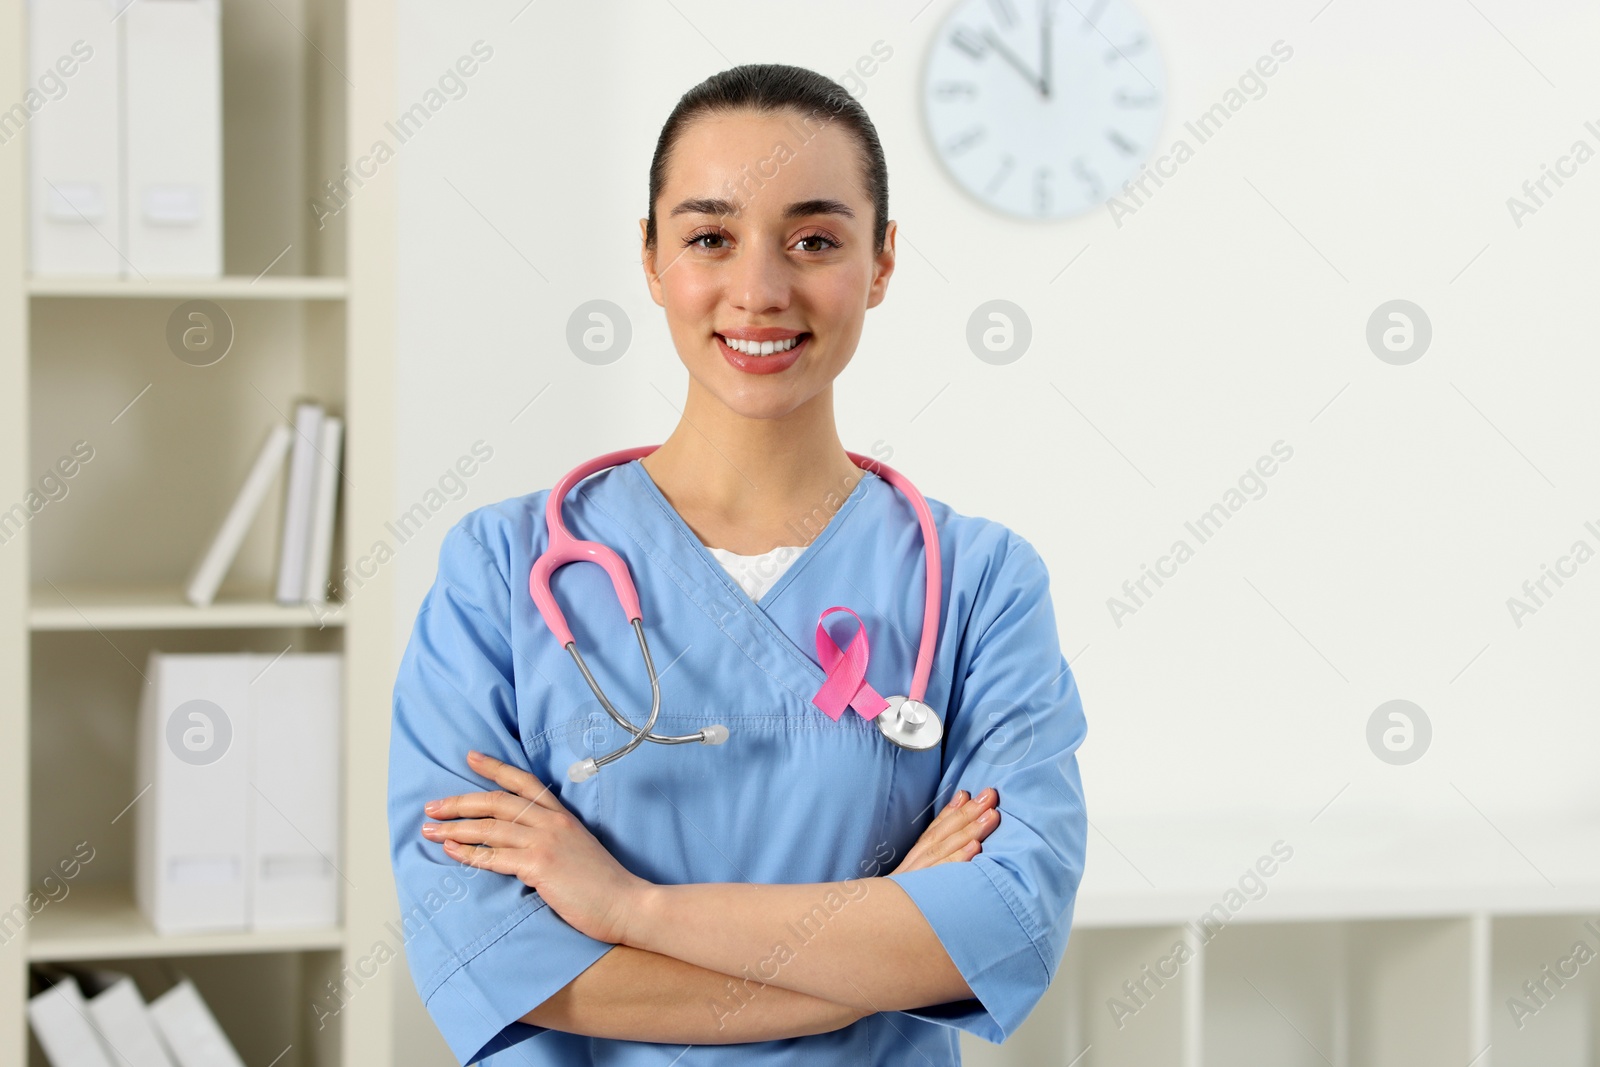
939 833
948 812
950 809
488 859
496 805
966 841
919 860
515 779
980 827
494 832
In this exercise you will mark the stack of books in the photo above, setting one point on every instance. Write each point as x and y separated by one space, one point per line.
116 1028
310 504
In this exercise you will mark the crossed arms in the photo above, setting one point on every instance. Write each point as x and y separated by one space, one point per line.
697 985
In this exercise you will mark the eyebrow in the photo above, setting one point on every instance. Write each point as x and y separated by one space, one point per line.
716 205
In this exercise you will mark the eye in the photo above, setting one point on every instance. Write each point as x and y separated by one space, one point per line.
818 237
701 235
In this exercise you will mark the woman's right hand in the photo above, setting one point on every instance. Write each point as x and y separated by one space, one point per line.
956 834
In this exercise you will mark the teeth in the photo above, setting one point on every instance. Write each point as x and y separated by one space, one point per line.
760 348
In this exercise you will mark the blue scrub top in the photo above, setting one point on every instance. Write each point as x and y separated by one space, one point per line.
791 797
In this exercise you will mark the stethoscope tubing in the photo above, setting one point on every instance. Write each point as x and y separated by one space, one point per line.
563 548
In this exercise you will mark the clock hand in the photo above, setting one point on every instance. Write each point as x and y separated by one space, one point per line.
1010 57
1046 47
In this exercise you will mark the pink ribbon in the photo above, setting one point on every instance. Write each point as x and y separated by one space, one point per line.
847 674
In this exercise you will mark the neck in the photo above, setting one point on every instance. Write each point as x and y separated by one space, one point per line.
751 485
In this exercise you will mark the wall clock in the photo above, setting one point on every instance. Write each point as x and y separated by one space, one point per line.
1043 108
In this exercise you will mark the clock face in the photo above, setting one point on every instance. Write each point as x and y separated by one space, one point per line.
1043 108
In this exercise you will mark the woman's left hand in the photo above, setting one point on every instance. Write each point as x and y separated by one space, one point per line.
528 833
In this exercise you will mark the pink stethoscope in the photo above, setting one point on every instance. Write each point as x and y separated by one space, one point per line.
905 720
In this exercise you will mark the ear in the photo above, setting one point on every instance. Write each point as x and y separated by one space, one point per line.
647 259
883 266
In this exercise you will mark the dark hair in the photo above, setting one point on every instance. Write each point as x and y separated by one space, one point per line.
766 88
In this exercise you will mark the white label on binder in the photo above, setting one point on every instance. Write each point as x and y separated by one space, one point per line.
75 202
172 205
202 870
295 867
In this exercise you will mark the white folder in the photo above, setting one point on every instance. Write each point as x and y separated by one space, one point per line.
201 588
74 138
294 544
60 1020
125 1025
190 1030
172 82
191 864
324 510
295 784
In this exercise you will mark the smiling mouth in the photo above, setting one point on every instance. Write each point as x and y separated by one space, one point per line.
763 348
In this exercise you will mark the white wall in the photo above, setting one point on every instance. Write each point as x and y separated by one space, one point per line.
1226 314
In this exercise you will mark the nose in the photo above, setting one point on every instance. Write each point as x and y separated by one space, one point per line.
760 279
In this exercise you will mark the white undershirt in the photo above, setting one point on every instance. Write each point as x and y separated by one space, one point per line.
757 574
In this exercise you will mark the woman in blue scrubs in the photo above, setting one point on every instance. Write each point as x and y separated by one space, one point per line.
806 892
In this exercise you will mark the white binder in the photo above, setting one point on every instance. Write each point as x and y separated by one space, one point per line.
190 1030
201 588
295 712
172 81
191 864
125 1025
250 839
324 510
74 139
60 1020
294 545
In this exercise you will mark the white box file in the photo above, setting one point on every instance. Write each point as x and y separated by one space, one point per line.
172 103
190 1030
60 1020
124 1023
192 854
241 826
74 138
296 755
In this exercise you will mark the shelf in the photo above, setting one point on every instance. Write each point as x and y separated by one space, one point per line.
102 922
238 287
98 582
1350 865
164 608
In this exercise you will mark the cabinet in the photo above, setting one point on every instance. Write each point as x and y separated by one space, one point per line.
1380 943
92 582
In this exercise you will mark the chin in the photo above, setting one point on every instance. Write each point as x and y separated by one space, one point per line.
758 400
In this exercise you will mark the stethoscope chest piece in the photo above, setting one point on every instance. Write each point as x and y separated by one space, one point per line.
910 724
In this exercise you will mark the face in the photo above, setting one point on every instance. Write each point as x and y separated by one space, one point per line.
810 275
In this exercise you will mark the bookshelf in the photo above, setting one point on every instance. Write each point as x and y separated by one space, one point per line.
1380 942
93 582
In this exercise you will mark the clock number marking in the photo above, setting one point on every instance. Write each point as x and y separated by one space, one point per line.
1123 98
1000 175
1004 12
953 90
1041 191
1138 45
970 43
1094 15
1123 144
965 141
1081 170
